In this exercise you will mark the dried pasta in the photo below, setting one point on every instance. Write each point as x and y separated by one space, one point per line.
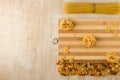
66 24
89 40
112 57
79 7
66 50
92 69
71 59
107 28
115 24
115 34
61 58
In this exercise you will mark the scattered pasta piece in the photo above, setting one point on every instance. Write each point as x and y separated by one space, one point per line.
66 24
107 28
115 34
61 58
71 59
66 50
112 57
89 40
115 24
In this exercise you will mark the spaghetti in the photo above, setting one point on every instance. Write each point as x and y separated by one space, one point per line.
104 8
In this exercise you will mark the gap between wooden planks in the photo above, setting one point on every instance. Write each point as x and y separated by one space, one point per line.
73 40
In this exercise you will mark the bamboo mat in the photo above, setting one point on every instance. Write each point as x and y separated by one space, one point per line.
73 39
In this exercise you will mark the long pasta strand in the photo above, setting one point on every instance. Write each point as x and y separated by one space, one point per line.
107 8
104 8
71 7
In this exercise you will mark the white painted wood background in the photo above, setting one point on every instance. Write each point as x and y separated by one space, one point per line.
27 28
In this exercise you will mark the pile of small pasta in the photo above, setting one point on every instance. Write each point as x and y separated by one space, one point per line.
92 69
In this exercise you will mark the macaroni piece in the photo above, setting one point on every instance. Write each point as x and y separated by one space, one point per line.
66 24
61 58
115 34
83 7
66 50
115 24
112 57
89 40
107 29
71 59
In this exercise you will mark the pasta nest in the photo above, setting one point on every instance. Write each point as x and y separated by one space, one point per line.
66 24
112 57
89 40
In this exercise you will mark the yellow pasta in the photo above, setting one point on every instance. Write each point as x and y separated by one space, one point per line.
115 34
61 58
93 69
115 24
66 50
66 24
72 7
112 57
89 40
107 28
79 7
71 59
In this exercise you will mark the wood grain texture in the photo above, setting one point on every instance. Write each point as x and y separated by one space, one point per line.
27 28
19 37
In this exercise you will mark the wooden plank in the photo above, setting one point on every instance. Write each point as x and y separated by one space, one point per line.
91 49
96 46
86 61
76 42
84 54
85 31
80 38
82 34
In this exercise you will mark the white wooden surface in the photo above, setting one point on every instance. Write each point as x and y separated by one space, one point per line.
27 28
